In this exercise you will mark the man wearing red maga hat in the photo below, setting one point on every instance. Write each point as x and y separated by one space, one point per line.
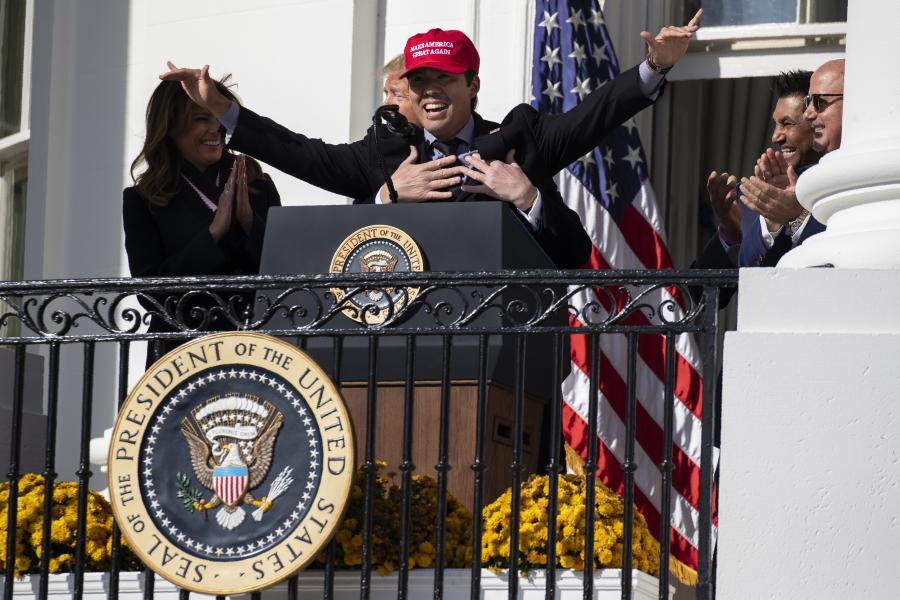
526 150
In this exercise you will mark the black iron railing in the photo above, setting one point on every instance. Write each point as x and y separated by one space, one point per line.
532 313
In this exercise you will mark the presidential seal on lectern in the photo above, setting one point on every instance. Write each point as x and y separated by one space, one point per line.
231 463
376 249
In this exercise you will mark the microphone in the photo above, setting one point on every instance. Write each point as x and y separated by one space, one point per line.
395 122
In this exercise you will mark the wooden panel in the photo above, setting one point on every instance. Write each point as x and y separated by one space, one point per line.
389 418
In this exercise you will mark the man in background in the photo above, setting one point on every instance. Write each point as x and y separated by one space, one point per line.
777 222
396 88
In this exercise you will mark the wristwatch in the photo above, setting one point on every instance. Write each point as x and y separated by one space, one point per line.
656 68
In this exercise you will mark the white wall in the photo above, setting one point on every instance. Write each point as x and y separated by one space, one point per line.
811 437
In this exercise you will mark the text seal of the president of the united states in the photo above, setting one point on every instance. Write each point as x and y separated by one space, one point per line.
231 463
376 249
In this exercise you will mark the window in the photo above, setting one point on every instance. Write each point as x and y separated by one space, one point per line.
12 49
15 79
753 12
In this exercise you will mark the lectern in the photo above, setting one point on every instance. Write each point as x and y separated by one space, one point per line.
471 236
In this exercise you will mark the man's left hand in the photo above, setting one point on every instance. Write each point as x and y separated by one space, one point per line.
669 45
778 206
501 180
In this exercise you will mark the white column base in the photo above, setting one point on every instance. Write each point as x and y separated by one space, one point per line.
810 463
862 237
856 193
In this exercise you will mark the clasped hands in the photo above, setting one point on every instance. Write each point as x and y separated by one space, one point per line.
233 201
500 179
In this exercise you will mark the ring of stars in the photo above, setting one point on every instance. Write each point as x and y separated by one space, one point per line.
157 510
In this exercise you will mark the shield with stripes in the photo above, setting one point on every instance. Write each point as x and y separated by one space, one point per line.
230 483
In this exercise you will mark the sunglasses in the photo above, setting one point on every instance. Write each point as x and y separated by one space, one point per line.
818 102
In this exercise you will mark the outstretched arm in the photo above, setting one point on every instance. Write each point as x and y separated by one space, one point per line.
566 137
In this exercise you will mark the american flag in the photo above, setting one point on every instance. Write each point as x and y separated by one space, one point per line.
610 190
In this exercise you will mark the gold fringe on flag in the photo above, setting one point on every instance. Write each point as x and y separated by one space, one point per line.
679 570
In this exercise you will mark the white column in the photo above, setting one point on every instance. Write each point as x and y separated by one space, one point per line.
855 190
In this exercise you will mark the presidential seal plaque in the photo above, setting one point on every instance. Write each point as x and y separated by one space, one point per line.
376 249
231 463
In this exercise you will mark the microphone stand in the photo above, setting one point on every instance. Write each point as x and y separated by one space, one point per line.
396 123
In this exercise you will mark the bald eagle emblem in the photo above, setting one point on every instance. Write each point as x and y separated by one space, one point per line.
231 439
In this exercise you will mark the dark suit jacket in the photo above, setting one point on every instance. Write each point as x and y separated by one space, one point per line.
753 250
174 240
544 145
713 256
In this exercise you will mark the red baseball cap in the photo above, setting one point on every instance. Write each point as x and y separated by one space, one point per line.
450 51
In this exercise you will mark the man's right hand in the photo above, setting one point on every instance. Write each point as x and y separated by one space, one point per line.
423 182
199 87
722 190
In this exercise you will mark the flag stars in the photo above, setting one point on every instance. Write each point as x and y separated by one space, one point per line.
578 53
576 19
608 158
552 90
587 159
597 19
582 87
599 54
633 157
551 57
629 126
550 22
612 192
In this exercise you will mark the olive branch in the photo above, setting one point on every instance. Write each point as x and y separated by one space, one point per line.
187 494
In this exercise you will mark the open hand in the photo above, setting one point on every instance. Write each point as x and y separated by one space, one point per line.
242 209
423 182
773 168
199 87
669 45
778 206
221 222
722 190
501 180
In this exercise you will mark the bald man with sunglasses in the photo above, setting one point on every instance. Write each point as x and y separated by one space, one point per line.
770 192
